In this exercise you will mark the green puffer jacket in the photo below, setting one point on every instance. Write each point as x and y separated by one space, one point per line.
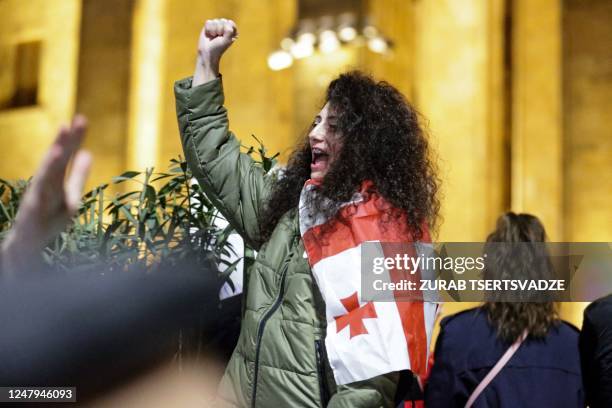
279 360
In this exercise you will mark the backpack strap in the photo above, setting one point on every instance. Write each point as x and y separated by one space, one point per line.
496 369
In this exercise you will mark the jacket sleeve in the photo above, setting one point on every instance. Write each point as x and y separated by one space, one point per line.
374 392
233 182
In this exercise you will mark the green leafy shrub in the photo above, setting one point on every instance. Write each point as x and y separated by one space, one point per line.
163 219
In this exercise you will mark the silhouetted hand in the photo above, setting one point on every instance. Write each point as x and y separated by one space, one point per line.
50 200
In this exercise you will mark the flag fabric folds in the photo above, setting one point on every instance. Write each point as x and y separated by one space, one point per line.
364 339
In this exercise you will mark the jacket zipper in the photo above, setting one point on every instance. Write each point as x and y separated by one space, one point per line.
261 327
320 353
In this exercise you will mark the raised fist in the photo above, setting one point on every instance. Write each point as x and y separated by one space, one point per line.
216 37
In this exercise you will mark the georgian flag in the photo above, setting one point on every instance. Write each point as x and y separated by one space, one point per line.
364 339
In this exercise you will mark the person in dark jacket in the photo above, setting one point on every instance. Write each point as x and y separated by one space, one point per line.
545 369
596 353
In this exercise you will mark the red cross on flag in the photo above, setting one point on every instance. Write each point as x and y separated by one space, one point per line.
355 315
363 339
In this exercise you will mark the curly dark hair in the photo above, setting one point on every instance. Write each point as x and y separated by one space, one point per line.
508 261
382 141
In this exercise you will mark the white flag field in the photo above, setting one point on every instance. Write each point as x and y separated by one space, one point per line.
364 339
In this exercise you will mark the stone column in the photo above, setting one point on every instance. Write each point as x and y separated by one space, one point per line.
537 137
459 88
146 82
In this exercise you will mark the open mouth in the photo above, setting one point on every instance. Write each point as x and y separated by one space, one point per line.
319 155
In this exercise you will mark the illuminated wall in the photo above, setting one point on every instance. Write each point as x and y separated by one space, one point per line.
458 88
517 94
587 114
259 100
103 83
26 129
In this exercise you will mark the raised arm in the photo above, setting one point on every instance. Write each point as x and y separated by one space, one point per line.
49 202
232 180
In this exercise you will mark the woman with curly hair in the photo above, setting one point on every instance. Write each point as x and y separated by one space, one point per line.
363 173
514 351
